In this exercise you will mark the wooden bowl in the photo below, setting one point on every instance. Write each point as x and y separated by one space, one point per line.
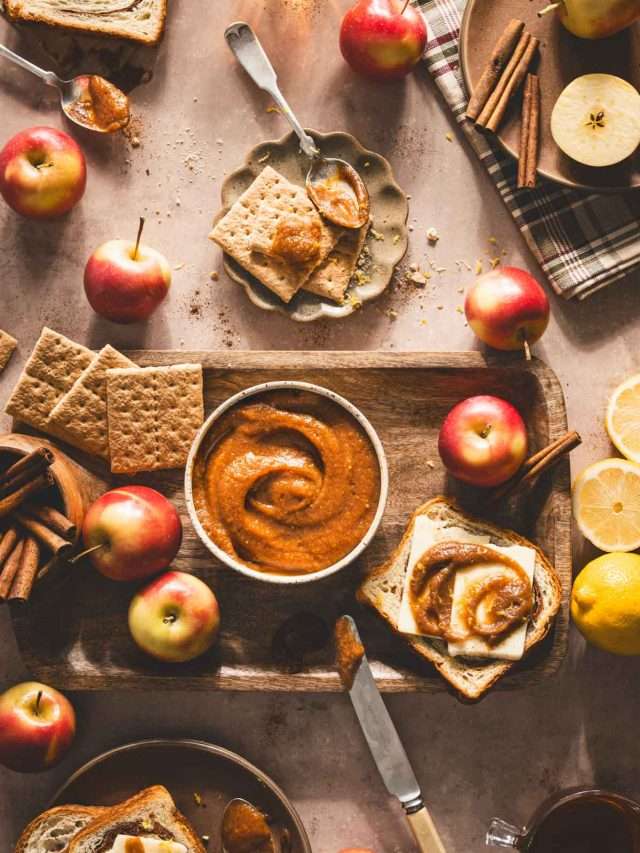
77 487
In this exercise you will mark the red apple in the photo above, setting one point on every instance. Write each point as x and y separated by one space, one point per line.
483 441
126 281
42 173
506 308
37 727
135 531
383 39
175 618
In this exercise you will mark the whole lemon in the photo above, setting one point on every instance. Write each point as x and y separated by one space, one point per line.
605 603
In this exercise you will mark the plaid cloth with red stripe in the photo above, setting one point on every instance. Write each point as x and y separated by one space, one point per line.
582 240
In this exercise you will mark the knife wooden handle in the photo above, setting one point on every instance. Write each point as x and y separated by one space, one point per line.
425 832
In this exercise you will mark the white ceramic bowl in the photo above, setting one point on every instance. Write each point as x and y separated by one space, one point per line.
272 577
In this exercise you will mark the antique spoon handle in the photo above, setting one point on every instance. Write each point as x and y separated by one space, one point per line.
48 76
250 54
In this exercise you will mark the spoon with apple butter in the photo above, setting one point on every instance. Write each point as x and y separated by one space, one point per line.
88 100
333 185
245 829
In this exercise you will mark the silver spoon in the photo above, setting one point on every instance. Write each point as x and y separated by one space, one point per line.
72 92
236 804
333 185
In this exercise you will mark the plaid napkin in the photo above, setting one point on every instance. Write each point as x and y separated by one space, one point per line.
582 240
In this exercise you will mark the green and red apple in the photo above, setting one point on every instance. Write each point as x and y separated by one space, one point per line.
483 441
507 309
43 173
175 618
37 727
125 281
383 39
131 533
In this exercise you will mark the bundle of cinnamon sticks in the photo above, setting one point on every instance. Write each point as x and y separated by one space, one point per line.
504 73
540 462
33 535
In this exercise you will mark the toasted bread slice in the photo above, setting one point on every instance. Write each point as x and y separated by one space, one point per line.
383 588
149 814
52 831
136 20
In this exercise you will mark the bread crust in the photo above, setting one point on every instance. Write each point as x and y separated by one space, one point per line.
435 652
17 12
91 812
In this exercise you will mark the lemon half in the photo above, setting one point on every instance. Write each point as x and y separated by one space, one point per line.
606 504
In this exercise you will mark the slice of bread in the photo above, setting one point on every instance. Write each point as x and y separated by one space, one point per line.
383 588
52 831
149 814
136 20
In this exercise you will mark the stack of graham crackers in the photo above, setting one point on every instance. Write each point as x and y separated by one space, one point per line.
140 419
248 233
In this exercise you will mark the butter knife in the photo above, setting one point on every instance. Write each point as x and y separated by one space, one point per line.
381 735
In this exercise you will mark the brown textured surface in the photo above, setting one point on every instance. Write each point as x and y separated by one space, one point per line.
562 57
405 398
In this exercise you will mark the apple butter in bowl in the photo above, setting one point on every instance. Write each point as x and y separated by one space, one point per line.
286 482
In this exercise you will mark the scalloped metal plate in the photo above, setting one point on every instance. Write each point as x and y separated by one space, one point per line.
389 211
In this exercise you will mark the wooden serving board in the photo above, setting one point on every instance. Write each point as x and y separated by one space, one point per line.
74 632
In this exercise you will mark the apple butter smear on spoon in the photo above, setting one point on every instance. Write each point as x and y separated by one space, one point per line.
333 185
245 829
88 100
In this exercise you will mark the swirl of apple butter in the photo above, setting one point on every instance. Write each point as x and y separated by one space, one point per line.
491 607
289 483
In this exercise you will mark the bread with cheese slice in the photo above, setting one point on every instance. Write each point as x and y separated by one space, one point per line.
52 831
383 591
149 814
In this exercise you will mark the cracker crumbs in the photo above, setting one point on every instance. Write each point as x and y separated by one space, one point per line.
264 158
360 277
197 799
449 136
459 309
273 109
396 239
352 299
419 279
478 267
422 322
493 240
495 262
366 164
432 236
214 276
179 266
392 314
431 464
376 234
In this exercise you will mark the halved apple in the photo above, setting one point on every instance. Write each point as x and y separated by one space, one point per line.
596 120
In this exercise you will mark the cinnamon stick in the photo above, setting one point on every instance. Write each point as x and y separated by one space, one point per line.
538 463
9 539
53 519
27 569
12 501
529 133
498 61
10 570
48 537
513 75
36 461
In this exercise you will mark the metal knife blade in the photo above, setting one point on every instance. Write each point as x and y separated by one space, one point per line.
380 733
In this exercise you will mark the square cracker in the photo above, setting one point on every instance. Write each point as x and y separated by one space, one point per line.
252 221
52 368
82 412
154 414
7 346
332 277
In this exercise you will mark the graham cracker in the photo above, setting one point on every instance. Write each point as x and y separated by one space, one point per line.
7 346
251 223
332 277
154 414
52 368
82 412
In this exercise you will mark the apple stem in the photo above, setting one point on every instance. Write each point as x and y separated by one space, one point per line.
38 700
84 553
404 8
550 8
140 227
526 347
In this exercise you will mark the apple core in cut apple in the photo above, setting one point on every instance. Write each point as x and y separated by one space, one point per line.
483 441
43 173
37 727
175 618
126 281
383 39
